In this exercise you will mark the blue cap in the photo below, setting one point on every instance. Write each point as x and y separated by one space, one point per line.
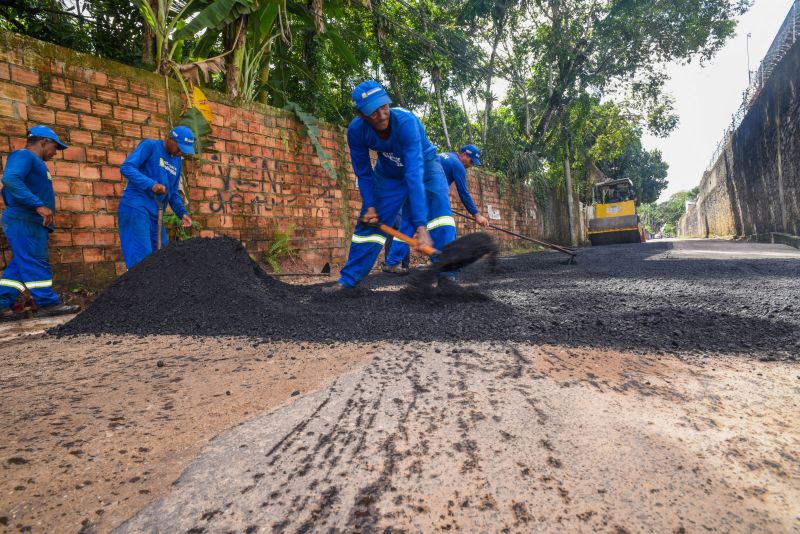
185 138
47 133
473 152
369 96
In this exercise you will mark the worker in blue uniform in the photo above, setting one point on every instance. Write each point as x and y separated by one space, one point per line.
153 171
455 165
27 223
406 172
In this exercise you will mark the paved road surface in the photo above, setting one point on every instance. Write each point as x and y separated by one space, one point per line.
514 436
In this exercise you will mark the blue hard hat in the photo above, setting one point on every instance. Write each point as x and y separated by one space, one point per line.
368 96
47 133
185 138
473 152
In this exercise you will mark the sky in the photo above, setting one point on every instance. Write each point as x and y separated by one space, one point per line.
707 96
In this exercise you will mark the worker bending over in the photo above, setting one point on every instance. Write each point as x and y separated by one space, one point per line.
455 167
27 223
406 172
153 172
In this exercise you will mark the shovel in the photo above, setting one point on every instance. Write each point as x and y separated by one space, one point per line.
460 253
571 252
160 204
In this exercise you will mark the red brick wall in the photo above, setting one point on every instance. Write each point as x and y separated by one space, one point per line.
265 176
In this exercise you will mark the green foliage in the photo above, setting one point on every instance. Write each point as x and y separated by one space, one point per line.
279 249
199 125
175 229
664 216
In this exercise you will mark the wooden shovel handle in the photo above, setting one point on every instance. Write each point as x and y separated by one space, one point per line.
425 249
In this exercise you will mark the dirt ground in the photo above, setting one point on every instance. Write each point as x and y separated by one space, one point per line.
96 429
652 390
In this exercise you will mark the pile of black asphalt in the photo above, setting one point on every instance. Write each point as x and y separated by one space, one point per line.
630 297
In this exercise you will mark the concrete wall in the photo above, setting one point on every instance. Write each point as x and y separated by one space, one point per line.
753 190
265 174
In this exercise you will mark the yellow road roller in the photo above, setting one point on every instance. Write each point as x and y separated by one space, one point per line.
612 216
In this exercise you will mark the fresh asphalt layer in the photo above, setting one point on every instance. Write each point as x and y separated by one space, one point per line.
679 296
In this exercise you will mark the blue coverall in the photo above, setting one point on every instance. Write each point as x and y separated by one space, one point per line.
27 185
456 173
138 210
407 172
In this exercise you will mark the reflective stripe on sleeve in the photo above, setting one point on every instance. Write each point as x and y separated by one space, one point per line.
378 239
445 220
19 286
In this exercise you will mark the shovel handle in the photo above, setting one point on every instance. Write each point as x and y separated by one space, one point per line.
425 249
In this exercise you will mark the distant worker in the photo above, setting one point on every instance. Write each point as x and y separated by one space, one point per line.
153 171
27 223
406 172
455 165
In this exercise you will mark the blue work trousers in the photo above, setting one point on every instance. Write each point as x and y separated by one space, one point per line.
390 196
138 234
29 267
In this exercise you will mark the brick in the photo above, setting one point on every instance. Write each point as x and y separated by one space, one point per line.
127 143
65 118
139 88
103 109
13 92
80 137
75 103
119 268
113 126
93 254
74 153
120 84
99 78
148 104
110 173
104 221
103 189
107 95
7 108
5 72
105 238
150 132
60 238
141 117
131 130
116 157
81 220
96 155
83 90
66 170
102 140
24 76
125 114
41 115
80 188
89 172
55 100
70 255
128 100
60 85
94 204
83 238
60 185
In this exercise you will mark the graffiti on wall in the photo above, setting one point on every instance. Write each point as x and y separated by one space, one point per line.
247 184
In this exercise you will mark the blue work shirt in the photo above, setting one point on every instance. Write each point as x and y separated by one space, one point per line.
455 172
148 165
400 157
27 185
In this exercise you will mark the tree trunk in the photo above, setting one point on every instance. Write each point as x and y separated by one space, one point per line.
487 95
379 27
436 78
236 41
466 117
568 185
